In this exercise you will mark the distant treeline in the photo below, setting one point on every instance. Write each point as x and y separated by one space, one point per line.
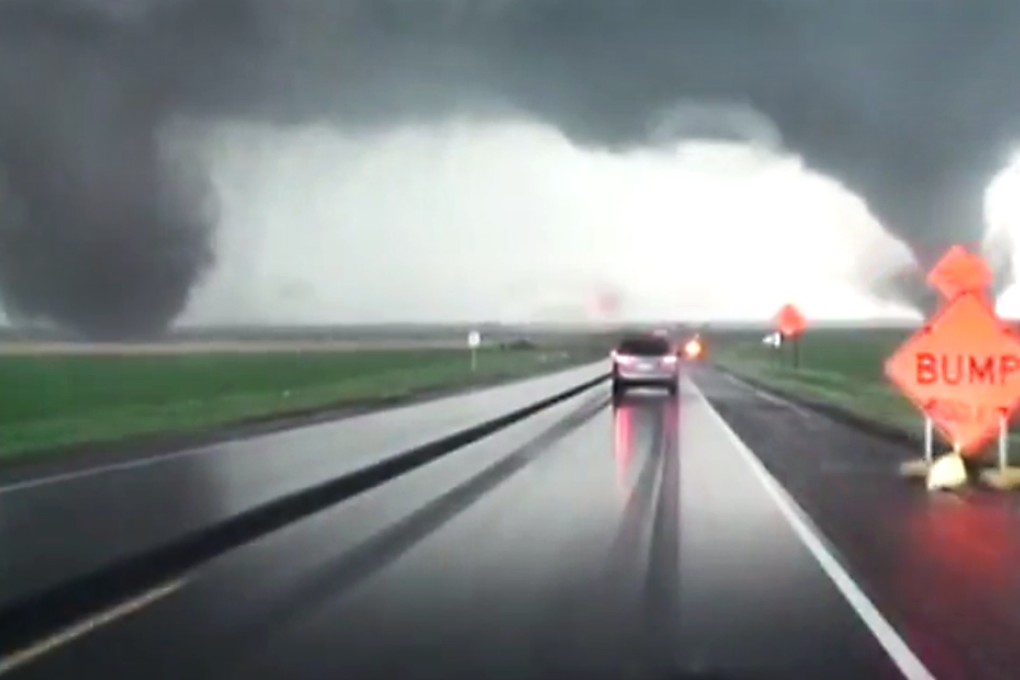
491 333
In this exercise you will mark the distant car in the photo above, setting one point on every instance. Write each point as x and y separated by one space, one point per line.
645 361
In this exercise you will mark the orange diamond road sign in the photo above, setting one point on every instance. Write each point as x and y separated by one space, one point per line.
790 321
963 370
959 272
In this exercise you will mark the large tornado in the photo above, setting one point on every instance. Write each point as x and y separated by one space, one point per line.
914 105
101 229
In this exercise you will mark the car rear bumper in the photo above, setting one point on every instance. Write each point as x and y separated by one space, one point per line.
657 376
622 385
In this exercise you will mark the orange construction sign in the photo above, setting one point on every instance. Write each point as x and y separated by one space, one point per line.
959 272
790 321
963 370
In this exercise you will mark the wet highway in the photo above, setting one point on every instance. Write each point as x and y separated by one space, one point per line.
943 568
640 540
65 525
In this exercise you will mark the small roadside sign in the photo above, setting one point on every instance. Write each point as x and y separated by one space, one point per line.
474 340
963 370
791 324
790 321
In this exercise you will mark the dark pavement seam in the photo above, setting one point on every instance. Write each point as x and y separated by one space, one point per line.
39 615
333 579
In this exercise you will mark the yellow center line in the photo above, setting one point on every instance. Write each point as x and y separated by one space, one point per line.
86 626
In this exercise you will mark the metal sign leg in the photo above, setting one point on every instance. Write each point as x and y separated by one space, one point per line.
929 440
1003 477
922 467
1003 443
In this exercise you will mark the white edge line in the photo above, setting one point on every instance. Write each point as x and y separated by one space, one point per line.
26 656
895 646
100 470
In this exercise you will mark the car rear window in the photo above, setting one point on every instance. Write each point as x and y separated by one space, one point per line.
644 347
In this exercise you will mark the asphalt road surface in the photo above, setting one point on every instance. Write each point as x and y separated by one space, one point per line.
590 541
943 568
64 525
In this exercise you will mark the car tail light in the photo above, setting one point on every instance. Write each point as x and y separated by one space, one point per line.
623 359
669 359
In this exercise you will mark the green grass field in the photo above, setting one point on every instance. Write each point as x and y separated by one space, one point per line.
52 401
840 366
843 367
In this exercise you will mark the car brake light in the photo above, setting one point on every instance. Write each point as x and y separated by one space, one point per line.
669 359
622 359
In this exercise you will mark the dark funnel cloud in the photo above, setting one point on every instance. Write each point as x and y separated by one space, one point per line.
100 229
914 104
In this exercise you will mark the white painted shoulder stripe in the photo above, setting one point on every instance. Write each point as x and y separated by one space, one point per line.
900 653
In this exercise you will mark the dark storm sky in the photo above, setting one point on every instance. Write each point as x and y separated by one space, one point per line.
913 104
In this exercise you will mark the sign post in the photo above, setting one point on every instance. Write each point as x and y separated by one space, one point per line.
962 370
474 340
1003 444
921 467
929 440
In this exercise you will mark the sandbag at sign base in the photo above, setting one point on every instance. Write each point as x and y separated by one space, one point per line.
1002 479
916 468
947 473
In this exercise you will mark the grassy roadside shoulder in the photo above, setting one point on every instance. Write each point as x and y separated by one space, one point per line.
51 403
840 368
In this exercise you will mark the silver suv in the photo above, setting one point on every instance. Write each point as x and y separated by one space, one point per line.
645 361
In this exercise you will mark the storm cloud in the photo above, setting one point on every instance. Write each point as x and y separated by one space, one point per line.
913 105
